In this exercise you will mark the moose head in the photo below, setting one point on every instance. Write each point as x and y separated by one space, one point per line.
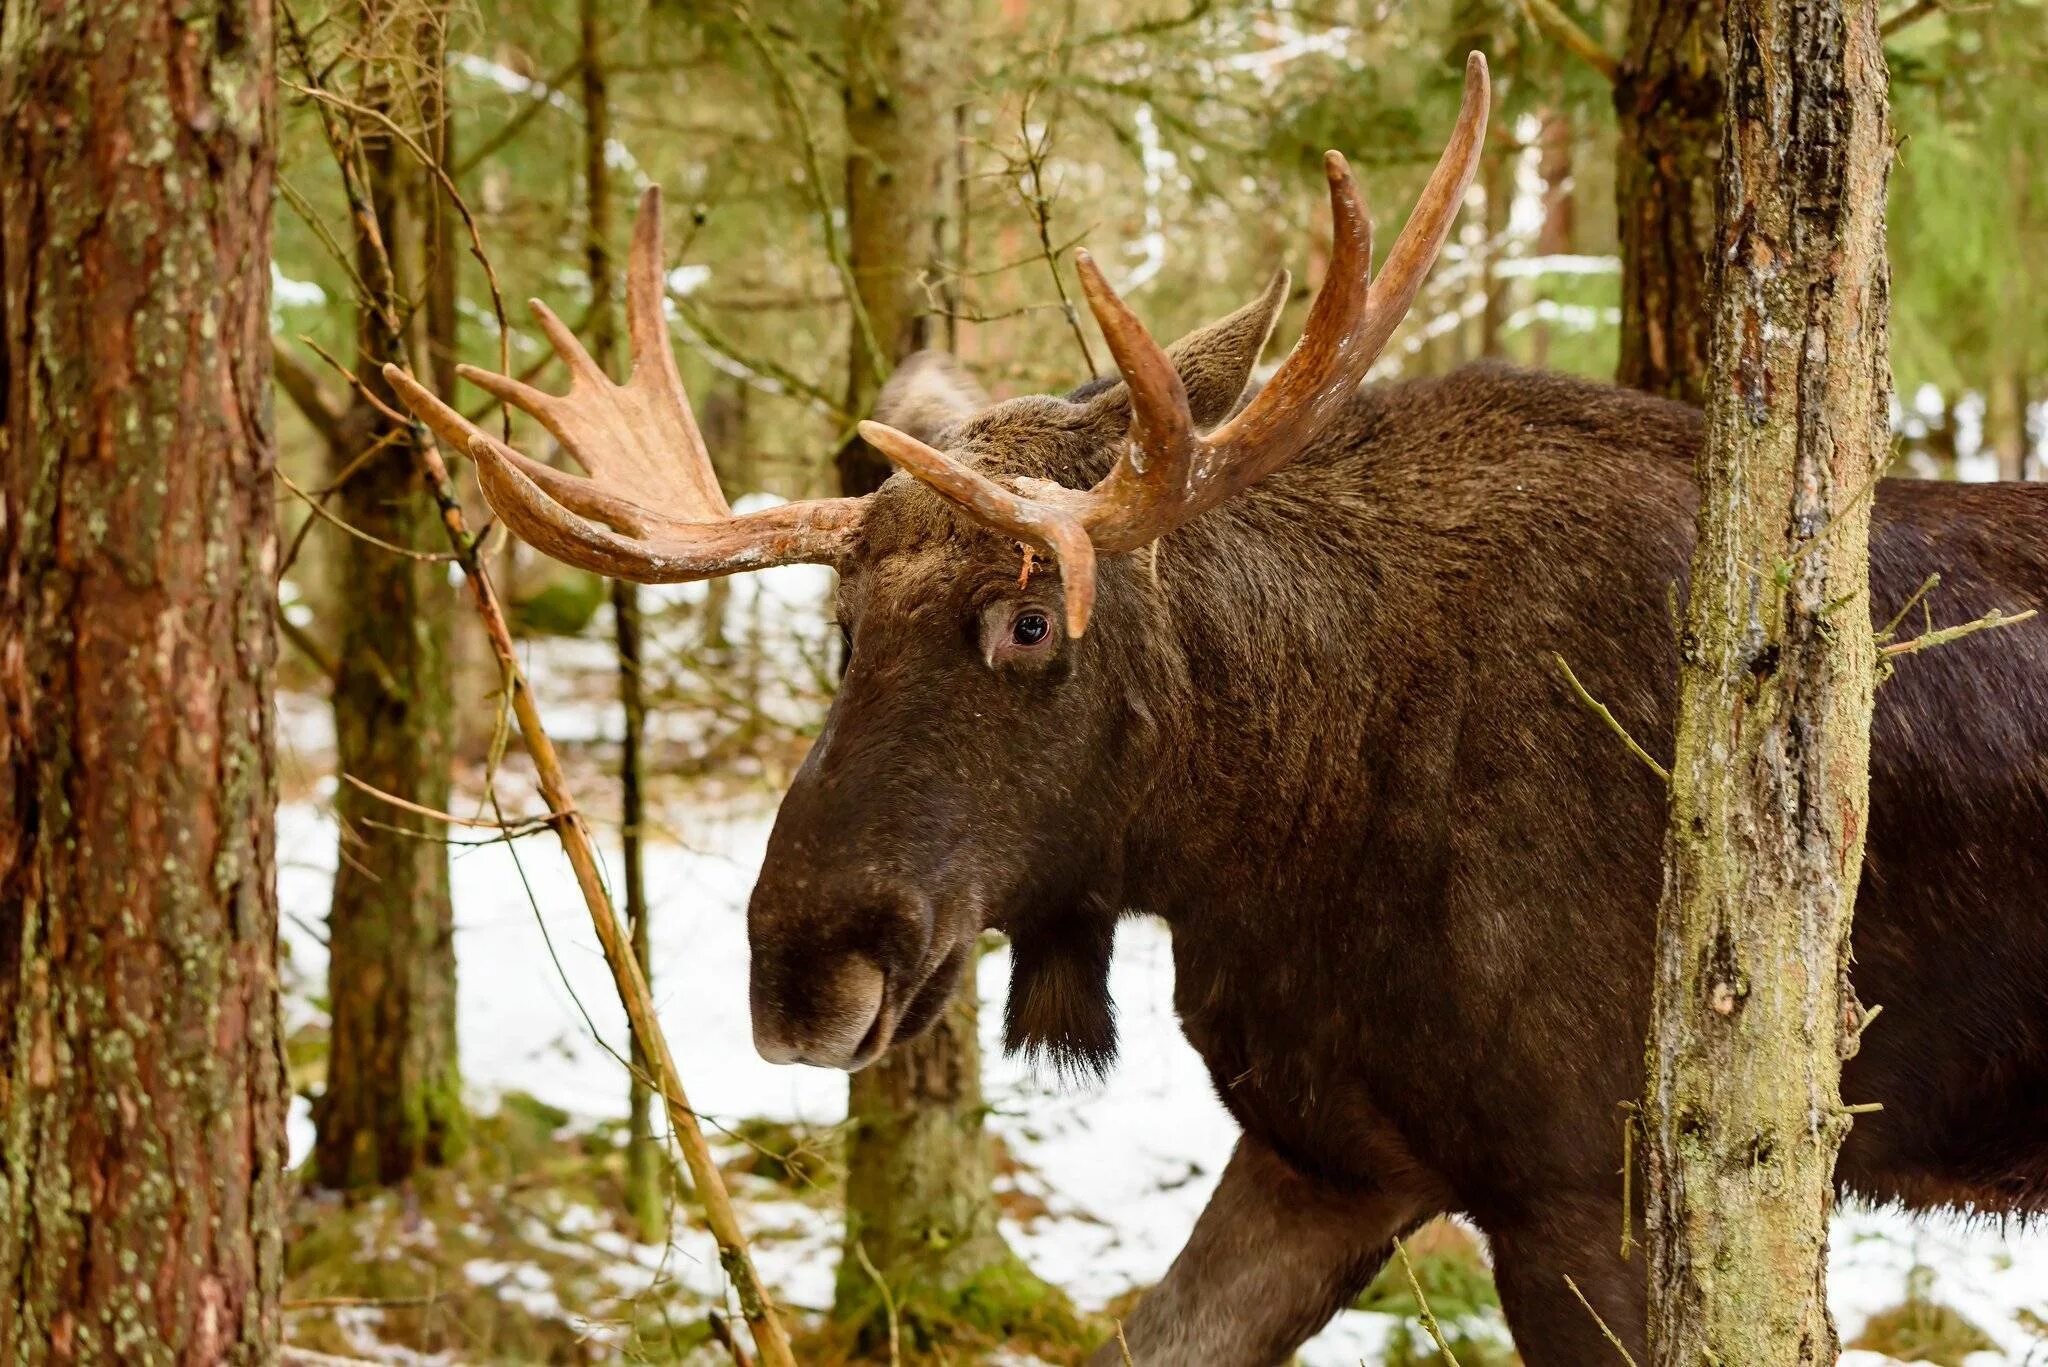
988 750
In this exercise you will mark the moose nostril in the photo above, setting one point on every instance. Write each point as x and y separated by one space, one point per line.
834 1028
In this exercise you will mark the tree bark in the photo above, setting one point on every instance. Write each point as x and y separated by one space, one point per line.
142 1087
904 61
393 1100
919 1204
643 1155
1667 100
1753 1012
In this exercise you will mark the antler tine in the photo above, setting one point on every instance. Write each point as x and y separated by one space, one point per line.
1036 522
1348 325
654 360
664 518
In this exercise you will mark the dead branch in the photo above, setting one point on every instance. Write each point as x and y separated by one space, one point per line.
1619 1346
303 641
1599 709
1422 1309
320 406
1930 639
574 833
721 1329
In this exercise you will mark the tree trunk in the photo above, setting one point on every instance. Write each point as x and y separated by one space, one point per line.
1559 211
904 62
2005 422
393 1101
142 1087
1667 100
1753 1012
919 1205
643 1155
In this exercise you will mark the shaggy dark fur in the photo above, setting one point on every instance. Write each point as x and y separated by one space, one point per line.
1411 881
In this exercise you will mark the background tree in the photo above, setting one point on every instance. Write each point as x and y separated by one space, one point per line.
920 1208
142 1095
644 1195
1668 106
392 1101
1753 1012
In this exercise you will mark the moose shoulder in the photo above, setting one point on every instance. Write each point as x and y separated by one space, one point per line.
1279 669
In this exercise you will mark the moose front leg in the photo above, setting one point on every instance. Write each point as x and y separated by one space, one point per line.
1274 1255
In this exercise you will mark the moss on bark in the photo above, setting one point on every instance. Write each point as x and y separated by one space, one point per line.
1769 790
141 1073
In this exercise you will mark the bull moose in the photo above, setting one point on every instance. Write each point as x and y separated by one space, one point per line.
1274 668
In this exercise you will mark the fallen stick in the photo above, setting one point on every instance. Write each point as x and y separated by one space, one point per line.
570 828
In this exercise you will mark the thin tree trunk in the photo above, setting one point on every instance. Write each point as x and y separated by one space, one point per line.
1667 100
1559 211
903 77
393 1101
1753 1012
2005 422
919 1203
643 1156
142 1087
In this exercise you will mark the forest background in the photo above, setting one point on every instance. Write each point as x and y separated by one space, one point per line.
844 183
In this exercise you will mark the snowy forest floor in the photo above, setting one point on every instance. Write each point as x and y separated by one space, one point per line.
523 1253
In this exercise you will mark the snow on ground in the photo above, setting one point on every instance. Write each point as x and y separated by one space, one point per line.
1125 1165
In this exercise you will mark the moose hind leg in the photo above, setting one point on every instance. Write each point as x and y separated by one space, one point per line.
1579 1239
1274 1255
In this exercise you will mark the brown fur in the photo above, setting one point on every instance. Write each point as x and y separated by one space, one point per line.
1411 881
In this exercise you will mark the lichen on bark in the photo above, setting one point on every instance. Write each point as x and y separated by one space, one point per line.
142 1086
1753 1012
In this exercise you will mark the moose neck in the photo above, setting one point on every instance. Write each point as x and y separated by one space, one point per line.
1292 614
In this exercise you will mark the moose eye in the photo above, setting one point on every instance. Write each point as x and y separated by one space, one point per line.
1030 628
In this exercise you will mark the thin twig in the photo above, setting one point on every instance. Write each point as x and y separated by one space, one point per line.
1928 640
1123 1345
1039 205
814 180
440 173
355 382
1422 1309
1619 1346
437 557
1599 709
860 1251
1927 586
475 823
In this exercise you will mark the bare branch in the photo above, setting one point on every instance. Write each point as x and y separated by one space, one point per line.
320 406
1928 640
1599 709
1422 1309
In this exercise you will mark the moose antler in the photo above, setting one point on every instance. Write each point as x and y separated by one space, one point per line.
663 517
1168 473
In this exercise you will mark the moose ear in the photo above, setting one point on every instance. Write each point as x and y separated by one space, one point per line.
930 394
1215 362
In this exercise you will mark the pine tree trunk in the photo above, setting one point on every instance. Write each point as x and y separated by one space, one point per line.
1667 100
1753 1012
919 1205
142 1088
903 75
393 1100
